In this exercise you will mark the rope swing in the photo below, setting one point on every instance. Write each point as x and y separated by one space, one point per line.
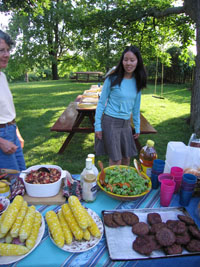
162 78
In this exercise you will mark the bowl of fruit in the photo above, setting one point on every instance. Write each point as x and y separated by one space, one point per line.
43 180
124 183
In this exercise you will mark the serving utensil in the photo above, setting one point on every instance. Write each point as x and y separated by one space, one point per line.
11 171
43 169
102 174
136 165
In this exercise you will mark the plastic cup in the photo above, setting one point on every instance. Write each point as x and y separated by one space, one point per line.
176 171
185 197
154 181
187 187
177 186
158 165
166 192
165 176
168 185
156 172
189 178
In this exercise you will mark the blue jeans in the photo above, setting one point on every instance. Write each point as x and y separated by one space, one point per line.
16 160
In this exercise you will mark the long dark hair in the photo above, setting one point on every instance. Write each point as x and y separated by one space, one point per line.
117 74
4 36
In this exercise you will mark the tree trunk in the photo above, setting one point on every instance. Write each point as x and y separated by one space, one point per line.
54 68
195 99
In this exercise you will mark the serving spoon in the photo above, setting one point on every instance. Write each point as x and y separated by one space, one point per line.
102 174
135 162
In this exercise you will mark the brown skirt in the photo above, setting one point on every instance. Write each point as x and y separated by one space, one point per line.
117 141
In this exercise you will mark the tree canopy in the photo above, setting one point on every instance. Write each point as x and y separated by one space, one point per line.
60 32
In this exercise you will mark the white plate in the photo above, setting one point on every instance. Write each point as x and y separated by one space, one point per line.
84 245
12 259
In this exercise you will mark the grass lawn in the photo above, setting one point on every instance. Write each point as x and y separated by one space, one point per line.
39 105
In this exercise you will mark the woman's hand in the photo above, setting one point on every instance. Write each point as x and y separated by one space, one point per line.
98 135
136 135
7 147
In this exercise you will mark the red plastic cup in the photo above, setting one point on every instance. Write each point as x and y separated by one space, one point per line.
166 192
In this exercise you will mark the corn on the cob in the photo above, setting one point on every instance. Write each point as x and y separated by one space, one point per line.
27 224
1 220
12 250
11 214
94 230
78 212
8 238
71 221
86 235
66 230
55 228
18 222
30 242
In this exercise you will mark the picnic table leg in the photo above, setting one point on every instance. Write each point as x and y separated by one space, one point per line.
65 144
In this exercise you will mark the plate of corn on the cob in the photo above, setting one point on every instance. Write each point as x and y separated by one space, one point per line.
21 230
74 228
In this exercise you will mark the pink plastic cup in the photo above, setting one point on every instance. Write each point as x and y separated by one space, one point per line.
164 176
166 192
176 171
177 186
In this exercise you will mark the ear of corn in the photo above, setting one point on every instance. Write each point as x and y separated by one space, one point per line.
55 228
1 220
30 242
78 212
27 224
20 217
12 250
94 230
71 221
8 238
66 230
11 214
86 235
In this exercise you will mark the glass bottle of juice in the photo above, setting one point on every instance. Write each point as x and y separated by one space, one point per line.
147 156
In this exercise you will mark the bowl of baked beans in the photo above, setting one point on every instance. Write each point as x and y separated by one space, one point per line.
40 183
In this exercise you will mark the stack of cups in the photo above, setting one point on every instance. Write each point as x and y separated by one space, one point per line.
187 188
166 192
177 174
157 169
164 176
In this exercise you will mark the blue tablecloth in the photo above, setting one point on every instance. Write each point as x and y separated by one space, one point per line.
47 254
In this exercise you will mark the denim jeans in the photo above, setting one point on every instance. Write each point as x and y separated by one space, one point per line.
16 160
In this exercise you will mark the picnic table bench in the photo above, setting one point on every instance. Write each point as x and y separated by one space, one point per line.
87 76
71 119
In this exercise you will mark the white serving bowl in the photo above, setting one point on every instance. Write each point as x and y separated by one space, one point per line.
42 190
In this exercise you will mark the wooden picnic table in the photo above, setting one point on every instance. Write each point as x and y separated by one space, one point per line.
81 76
71 119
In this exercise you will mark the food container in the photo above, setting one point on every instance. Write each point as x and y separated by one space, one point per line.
125 197
4 203
42 190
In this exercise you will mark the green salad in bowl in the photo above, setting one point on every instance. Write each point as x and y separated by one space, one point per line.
124 183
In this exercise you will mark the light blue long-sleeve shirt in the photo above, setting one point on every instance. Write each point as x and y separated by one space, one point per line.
119 102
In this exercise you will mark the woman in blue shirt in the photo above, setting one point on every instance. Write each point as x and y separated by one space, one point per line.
120 97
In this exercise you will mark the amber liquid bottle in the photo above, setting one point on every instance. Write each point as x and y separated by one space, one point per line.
147 156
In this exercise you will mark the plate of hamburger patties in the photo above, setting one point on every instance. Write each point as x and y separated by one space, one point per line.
150 233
